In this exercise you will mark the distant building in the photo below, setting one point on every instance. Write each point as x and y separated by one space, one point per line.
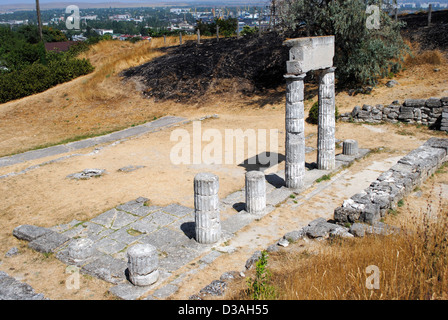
179 11
102 32
120 17
78 38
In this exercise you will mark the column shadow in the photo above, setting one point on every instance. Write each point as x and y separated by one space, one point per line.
259 163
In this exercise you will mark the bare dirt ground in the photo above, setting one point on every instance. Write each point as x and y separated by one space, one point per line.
45 197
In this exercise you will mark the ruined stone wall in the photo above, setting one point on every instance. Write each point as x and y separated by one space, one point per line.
391 186
432 112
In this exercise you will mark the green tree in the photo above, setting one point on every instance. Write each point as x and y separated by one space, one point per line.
363 55
248 30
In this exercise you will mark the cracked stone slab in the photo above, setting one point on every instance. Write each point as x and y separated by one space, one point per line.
164 238
109 246
107 268
152 222
123 219
176 258
49 242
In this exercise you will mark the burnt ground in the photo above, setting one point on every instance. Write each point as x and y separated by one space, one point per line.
433 37
248 65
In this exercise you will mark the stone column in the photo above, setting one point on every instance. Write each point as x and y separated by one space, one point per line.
350 147
143 264
255 192
327 122
80 249
295 132
206 206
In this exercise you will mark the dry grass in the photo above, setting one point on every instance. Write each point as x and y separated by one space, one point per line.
412 265
418 56
104 84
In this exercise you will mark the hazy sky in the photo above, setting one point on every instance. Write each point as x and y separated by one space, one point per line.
90 1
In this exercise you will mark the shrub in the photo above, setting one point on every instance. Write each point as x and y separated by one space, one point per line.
313 115
362 55
39 77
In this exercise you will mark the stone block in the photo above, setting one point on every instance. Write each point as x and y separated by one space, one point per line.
311 53
29 232
414 102
433 103
49 242
106 268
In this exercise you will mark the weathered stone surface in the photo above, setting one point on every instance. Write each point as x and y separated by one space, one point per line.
358 229
142 259
253 259
80 249
12 289
29 232
326 122
106 268
144 280
414 102
384 193
295 132
48 242
294 236
215 288
127 291
312 53
350 147
433 103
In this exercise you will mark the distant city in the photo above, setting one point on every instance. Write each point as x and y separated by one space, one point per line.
123 23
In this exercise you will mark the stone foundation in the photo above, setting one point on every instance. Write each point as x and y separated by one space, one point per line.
432 112
391 186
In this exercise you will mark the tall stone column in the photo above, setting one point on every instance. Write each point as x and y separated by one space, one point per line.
327 123
206 206
295 132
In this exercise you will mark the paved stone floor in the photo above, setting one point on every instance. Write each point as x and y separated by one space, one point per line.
170 229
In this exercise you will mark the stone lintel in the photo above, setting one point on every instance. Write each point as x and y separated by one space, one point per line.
309 53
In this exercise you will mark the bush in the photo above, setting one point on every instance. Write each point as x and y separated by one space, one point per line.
362 55
39 77
313 115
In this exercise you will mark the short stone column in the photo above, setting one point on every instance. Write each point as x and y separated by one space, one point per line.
255 192
295 132
350 147
143 264
327 123
80 249
206 208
